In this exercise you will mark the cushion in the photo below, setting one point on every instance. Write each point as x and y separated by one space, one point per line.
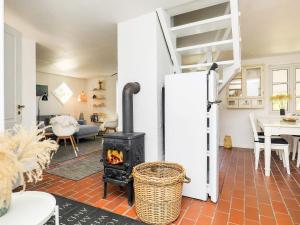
274 141
260 133
87 129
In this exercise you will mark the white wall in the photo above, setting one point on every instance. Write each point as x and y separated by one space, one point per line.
109 94
28 82
53 105
142 58
235 122
1 67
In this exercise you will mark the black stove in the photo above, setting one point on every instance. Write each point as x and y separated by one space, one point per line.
123 150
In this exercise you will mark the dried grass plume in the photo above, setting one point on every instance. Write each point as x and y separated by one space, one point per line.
24 154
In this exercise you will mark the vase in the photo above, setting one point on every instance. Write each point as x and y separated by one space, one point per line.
282 112
5 198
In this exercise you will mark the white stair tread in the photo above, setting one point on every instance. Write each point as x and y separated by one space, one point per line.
193 5
212 24
207 47
201 65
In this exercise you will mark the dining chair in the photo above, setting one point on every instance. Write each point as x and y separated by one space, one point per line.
296 139
298 156
277 144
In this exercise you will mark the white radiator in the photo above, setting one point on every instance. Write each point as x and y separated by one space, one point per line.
189 139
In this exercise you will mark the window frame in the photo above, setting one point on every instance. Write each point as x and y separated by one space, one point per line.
294 68
281 67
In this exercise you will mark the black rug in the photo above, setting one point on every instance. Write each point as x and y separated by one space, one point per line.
76 213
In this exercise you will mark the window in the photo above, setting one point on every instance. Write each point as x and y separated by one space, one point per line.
63 93
280 86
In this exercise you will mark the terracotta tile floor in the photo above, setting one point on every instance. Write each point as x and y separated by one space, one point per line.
246 196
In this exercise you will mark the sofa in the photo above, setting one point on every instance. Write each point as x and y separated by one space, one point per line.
84 131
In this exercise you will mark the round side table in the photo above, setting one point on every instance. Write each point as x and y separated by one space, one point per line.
31 208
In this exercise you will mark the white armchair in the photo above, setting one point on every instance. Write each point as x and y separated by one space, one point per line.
111 124
64 127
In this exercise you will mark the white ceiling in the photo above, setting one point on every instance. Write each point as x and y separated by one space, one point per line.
270 27
79 37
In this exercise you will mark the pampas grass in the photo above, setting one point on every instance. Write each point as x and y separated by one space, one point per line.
20 147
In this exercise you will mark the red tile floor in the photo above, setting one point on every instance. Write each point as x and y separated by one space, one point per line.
246 195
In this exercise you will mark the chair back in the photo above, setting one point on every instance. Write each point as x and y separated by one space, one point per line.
253 126
64 125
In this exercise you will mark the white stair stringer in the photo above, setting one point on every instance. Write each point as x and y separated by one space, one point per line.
170 38
230 72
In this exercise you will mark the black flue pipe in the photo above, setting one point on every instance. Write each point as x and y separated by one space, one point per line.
127 105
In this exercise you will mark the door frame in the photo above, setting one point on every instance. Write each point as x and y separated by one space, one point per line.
18 72
1 65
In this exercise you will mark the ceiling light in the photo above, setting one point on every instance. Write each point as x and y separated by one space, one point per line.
82 97
65 65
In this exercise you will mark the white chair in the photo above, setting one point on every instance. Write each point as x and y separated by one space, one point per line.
278 144
64 127
111 124
295 145
298 156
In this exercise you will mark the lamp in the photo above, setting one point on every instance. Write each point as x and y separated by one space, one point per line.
82 97
43 97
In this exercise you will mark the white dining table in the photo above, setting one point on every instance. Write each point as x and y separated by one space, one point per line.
275 126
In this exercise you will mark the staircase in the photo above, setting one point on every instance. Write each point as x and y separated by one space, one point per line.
202 32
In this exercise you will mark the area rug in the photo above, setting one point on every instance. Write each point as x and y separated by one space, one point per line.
78 168
76 213
85 146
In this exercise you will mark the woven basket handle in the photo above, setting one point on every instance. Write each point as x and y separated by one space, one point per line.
187 180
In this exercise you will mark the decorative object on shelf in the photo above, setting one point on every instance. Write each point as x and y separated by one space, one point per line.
95 118
22 152
81 116
281 100
98 97
245 91
43 97
227 142
82 97
100 85
63 93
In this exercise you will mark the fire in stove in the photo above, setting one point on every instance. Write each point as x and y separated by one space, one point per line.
114 157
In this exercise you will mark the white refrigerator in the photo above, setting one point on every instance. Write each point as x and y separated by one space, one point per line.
191 132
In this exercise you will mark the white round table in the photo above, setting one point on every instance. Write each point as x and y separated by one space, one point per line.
31 208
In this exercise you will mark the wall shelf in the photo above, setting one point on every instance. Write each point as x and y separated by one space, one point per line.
245 91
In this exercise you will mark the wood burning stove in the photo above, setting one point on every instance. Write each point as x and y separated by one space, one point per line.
123 150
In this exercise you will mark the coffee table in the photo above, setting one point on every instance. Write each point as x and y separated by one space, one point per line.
31 208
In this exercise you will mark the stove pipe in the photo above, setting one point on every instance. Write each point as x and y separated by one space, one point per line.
128 91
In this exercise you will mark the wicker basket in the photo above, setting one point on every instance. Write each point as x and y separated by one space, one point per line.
158 191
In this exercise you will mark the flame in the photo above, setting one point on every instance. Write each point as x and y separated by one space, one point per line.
114 157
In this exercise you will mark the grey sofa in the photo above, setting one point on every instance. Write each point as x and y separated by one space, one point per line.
85 130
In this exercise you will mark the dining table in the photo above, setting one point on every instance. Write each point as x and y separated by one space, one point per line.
275 126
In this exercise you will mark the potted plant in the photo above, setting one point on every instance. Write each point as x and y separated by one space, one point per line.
281 100
24 154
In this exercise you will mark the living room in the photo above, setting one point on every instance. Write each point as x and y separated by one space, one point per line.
159 112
